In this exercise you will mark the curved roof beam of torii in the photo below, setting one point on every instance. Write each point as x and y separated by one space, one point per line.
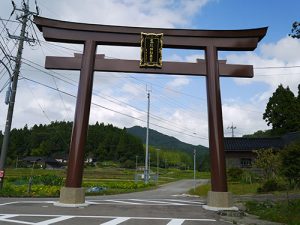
70 32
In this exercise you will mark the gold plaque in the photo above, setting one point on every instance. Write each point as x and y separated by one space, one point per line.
151 50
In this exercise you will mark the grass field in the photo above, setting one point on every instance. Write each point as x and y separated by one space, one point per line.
112 180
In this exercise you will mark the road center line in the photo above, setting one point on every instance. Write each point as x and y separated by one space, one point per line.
116 221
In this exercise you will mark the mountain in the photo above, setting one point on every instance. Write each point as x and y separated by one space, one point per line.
160 140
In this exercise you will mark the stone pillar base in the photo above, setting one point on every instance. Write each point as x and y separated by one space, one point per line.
220 199
71 197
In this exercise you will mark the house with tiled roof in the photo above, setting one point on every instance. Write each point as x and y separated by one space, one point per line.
239 151
42 161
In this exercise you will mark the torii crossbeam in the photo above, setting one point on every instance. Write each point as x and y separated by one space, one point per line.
90 35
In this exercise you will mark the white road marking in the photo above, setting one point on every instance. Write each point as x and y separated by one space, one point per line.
158 202
8 203
185 201
54 220
116 221
4 216
177 202
120 201
7 216
176 222
17 202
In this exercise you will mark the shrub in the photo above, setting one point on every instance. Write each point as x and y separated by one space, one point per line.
129 164
290 158
271 185
48 180
235 174
249 177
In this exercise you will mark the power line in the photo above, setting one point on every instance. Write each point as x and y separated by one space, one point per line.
108 98
115 111
276 67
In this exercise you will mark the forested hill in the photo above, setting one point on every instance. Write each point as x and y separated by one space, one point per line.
160 140
104 142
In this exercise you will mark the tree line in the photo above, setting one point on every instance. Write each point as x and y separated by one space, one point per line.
104 143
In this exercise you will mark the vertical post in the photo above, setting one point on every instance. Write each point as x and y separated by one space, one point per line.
194 169
11 104
146 172
82 112
216 142
136 169
157 164
72 193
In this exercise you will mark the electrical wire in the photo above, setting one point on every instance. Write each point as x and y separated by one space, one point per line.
108 98
112 110
276 67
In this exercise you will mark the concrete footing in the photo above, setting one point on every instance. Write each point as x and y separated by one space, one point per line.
71 197
219 200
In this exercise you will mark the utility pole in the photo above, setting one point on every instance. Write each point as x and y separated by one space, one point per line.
23 37
157 163
146 172
194 169
232 129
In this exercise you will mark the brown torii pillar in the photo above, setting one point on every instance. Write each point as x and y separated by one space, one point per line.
211 41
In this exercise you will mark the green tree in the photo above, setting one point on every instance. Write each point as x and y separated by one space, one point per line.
295 32
283 111
268 161
290 157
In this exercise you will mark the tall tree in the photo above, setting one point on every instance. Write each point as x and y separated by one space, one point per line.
283 111
295 32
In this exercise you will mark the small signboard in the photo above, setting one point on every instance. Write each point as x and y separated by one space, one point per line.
1 173
151 50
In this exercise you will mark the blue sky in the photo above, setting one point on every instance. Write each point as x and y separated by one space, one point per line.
178 103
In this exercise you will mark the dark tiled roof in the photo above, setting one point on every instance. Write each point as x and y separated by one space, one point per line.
249 144
39 159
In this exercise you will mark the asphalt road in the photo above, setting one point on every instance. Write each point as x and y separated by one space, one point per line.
166 205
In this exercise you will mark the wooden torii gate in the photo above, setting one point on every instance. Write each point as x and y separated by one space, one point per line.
90 35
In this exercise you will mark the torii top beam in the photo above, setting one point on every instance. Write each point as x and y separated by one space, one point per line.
228 40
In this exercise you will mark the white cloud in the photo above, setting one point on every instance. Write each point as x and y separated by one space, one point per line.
189 126
134 90
286 50
283 53
152 13
178 82
245 117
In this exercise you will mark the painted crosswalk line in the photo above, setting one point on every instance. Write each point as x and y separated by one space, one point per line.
13 218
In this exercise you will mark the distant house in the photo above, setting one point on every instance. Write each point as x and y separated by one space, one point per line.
44 162
239 151
61 157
